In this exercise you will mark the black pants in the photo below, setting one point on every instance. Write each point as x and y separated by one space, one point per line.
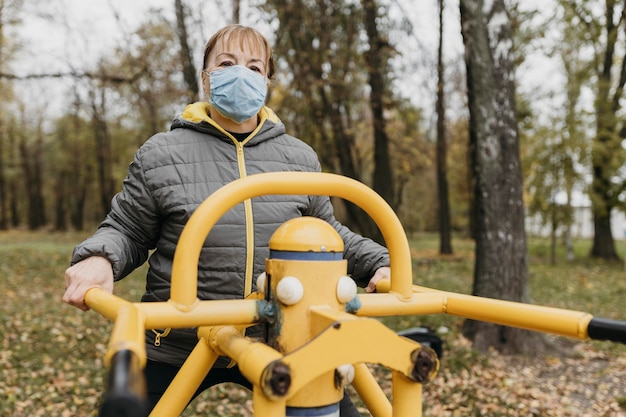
160 375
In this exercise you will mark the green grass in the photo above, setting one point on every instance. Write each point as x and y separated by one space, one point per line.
51 354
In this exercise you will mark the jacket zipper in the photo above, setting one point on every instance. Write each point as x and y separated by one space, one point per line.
249 224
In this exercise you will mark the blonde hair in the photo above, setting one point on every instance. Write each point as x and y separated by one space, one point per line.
244 36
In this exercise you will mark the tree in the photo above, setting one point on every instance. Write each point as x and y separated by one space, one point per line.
116 104
31 148
71 156
460 175
335 92
236 11
607 154
13 188
9 16
445 241
102 137
186 57
149 72
601 28
326 103
550 178
556 149
134 95
413 167
376 58
4 211
501 269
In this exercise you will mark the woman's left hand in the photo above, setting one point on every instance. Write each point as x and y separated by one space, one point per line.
381 273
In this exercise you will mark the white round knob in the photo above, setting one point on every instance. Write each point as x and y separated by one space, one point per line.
346 289
289 290
345 374
261 281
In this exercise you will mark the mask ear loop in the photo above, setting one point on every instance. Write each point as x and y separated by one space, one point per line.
205 78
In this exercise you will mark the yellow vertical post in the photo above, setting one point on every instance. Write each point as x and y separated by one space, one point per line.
266 407
370 392
407 396
127 334
186 382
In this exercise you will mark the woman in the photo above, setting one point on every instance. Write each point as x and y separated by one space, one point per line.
208 146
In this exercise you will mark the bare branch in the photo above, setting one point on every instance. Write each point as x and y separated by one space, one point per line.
115 79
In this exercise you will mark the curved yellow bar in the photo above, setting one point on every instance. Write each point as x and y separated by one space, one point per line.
185 267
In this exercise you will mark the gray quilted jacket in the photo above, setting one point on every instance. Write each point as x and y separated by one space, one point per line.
175 171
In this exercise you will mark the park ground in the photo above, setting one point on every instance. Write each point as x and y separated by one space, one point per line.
51 354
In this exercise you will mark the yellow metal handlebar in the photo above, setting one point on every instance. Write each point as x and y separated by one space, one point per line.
552 320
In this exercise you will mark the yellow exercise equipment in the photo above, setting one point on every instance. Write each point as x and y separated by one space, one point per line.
321 333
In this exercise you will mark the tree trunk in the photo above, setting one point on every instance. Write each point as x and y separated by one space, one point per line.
601 189
39 212
31 157
602 196
4 211
357 219
603 243
186 57
376 58
60 217
501 269
13 186
77 216
236 11
82 170
607 155
103 152
554 225
445 240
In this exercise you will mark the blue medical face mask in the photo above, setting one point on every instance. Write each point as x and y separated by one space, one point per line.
237 92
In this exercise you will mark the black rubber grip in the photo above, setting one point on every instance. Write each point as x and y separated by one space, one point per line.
607 329
126 393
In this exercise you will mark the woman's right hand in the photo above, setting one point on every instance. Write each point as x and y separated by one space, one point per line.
92 272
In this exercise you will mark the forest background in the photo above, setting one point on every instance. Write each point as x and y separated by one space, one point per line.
441 125
472 155
83 86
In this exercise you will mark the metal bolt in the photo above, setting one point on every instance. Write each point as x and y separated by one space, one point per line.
277 379
425 365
